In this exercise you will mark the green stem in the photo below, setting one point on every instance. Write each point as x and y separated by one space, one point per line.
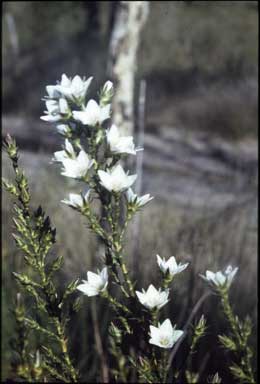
115 303
126 275
63 345
230 316
241 349
164 366
154 314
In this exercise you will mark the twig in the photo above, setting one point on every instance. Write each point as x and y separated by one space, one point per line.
193 313
100 350
139 172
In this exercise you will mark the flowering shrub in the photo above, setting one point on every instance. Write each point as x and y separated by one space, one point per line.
92 154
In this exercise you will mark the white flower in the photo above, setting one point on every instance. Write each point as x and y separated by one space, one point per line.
153 298
97 282
170 265
76 200
55 110
219 278
120 144
115 179
75 88
134 199
165 336
92 114
68 153
77 167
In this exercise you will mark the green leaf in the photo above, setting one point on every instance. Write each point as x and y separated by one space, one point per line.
69 290
238 373
54 373
216 379
55 266
32 324
227 342
9 187
191 377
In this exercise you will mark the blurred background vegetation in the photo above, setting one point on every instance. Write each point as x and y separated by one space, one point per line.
199 60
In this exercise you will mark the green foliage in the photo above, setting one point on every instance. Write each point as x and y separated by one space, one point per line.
198 333
237 341
145 370
227 342
35 237
216 379
191 377
23 364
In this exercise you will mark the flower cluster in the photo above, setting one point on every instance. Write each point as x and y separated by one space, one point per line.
165 336
81 121
92 153
66 105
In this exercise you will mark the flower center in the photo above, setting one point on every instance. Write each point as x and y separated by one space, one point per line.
164 340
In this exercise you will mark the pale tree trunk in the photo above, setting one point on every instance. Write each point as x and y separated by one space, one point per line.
136 228
129 21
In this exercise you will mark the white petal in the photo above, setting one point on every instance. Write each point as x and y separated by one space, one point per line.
141 296
113 135
71 168
80 116
181 267
63 105
130 195
52 91
104 113
50 118
76 199
52 106
104 274
154 331
69 147
232 275
92 112
87 289
94 279
144 199
86 197
65 81
172 264
87 83
60 156
105 179
210 276
176 335
220 279
130 181
166 326
83 159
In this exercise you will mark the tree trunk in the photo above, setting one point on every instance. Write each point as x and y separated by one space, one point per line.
129 21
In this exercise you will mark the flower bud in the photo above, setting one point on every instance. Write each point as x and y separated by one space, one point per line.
108 87
106 93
